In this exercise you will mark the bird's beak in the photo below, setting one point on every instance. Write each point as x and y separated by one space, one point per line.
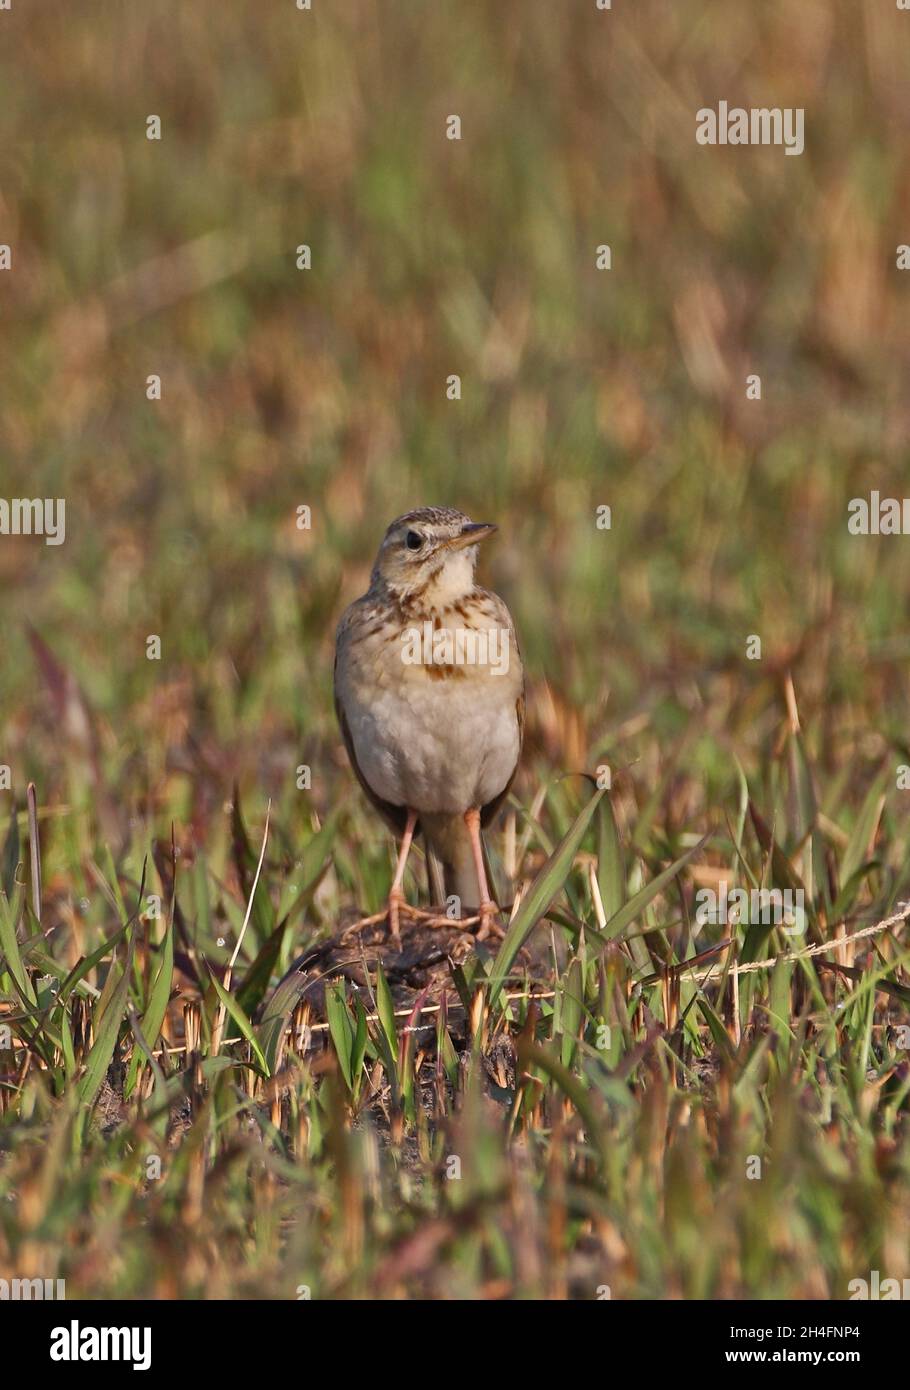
471 533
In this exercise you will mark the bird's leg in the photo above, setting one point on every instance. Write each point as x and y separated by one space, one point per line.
486 909
396 894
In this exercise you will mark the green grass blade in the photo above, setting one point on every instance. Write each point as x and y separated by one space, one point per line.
637 904
106 1034
611 867
240 1018
154 1015
543 890
341 1031
9 948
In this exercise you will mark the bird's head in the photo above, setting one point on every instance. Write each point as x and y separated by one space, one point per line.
429 555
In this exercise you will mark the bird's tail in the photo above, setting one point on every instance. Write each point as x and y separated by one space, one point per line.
451 862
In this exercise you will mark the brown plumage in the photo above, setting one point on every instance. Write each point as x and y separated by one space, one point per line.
434 740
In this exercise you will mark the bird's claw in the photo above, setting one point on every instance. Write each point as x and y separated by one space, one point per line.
488 913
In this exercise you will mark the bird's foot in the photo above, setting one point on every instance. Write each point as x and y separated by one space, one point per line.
430 915
489 926
398 908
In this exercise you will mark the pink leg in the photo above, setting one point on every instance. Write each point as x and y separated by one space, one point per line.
396 895
487 909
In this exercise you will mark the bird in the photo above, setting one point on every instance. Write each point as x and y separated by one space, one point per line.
430 697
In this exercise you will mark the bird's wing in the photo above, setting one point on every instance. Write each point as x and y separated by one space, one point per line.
505 618
489 811
395 816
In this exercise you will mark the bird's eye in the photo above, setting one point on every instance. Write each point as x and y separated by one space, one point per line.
413 540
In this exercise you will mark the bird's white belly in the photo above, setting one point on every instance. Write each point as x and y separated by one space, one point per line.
437 745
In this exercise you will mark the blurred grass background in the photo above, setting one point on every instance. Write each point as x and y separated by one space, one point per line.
327 388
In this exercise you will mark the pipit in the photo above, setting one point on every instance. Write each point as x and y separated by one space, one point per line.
429 691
